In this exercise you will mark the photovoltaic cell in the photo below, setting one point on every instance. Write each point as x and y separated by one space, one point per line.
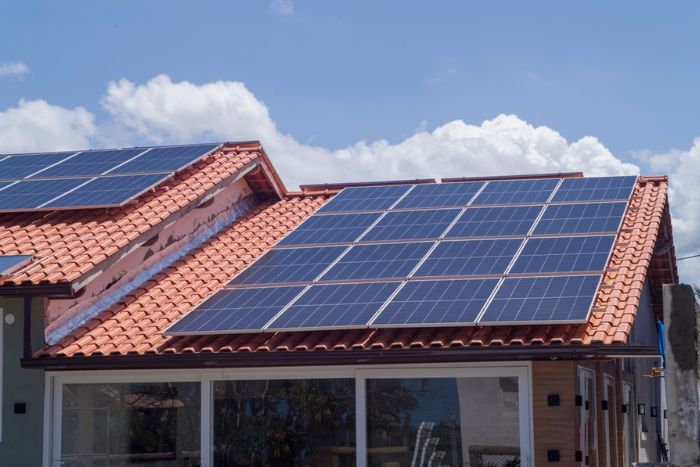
411 225
90 163
10 263
470 257
495 221
517 191
373 198
581 218
16 167
166 159
386 261
561 299
235 310
289 265
107 191
437 303
335 306
595 189
564 254
30 194
337 228
437 195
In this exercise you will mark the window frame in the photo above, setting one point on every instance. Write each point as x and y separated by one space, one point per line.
359 373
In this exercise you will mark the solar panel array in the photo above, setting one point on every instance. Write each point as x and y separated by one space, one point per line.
451 254
88 179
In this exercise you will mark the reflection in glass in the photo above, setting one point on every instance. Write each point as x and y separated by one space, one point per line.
284 423
153 425
443 422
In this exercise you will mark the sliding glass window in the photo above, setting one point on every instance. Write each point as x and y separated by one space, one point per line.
120 424
443 421
284 422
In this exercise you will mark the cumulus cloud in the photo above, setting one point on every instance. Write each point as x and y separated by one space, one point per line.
282 7
683 167
163 111
13 69
39 126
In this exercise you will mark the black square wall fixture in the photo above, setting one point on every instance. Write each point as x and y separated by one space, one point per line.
553 400
20 407
553 455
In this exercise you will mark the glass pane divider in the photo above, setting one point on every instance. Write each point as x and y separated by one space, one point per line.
206 423
360 421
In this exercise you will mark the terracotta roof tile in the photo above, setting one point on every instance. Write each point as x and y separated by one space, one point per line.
68 244
135 325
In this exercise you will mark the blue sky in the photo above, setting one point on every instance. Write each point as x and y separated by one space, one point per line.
336 72
369 90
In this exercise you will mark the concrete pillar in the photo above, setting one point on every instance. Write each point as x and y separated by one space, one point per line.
682 321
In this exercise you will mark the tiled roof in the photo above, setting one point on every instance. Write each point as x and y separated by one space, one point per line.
69 244
136 325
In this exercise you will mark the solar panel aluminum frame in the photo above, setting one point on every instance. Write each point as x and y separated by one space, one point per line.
174 171
552 199
373 324
582 234
44 207
480 321
168 331
509 272
269 327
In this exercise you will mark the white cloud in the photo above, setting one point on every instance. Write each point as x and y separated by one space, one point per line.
683 168
13 69
39 126
282 7
163 111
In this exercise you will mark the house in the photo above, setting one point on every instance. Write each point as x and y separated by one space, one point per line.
131 333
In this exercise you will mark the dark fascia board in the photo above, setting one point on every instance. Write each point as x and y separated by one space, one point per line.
351 357
58 290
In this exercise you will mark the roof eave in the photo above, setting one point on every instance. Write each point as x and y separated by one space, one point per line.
262 359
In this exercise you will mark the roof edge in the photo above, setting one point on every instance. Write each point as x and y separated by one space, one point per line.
514 177
339 357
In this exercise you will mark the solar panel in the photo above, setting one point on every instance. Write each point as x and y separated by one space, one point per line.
235 310
595 189
517 191
495 221
91 163
16 167
548 300
581 218
470 257
437 303
107 191
412 225
387 261
161 159
372 198
335 306
289 265
30 194
336 228
438 195
564 254
10 263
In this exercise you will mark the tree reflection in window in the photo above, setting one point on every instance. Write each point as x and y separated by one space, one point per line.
151 424
284 422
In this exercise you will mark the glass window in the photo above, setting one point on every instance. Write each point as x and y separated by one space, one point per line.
284 422
149 424
443 421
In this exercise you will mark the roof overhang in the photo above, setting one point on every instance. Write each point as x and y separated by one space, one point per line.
340 357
